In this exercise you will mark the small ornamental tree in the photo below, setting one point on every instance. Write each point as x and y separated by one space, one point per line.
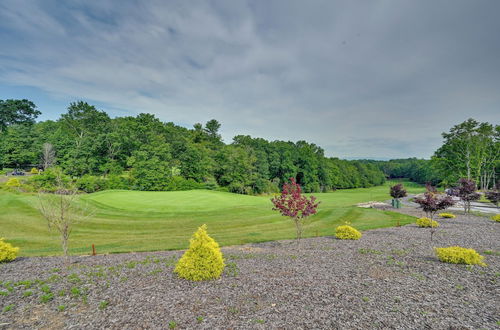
291 203
203 260
494 195
433 202
466 190
397 192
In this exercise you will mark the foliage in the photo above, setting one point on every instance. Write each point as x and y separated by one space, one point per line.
447 215
459 255
432 202
48 180
13 183
466 190
471 149
496 218
90 184
7 251
347 232
427 223
239 219
34 170
397 191
14 112
291 203
203 260
89 142
494 195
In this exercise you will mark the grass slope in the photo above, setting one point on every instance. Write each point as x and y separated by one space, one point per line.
127 221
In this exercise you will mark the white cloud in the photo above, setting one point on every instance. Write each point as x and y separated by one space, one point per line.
374 79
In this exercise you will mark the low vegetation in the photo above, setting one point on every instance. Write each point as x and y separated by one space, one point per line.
459 255
7 251
203 260
427 223
125 221
347 232
447 215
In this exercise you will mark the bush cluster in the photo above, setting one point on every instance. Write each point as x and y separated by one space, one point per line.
7 251
447 215
34 170
459 255
427 223
347 232
13 183
203 260
496 218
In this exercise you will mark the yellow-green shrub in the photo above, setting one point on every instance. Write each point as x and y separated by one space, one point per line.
347 232
7 251
13 182
34 170
459 255
447 215
496 218
203 260
427 223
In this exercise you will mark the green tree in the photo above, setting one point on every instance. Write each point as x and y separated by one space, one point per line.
17 112
470 149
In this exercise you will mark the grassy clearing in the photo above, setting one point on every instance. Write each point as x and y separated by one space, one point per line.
128 221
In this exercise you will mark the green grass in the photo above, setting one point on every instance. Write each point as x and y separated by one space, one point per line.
127 221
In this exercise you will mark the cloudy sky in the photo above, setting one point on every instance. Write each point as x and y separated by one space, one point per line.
375 79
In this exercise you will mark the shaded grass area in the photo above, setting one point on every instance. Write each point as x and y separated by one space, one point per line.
126 221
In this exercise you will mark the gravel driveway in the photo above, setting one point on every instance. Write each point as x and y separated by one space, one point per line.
390 278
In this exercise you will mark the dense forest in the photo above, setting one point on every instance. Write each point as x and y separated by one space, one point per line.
145 153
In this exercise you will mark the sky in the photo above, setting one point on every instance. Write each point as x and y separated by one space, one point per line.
361 79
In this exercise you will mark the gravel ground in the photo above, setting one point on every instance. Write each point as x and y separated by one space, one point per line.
390 278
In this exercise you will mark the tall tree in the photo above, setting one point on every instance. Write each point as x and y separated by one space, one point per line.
471 150
17 112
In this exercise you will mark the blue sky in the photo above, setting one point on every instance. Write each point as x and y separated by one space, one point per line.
375 79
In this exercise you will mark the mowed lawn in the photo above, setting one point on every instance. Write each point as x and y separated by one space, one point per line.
126 221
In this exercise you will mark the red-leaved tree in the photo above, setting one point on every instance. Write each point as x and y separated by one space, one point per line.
291 203
466 190
433 202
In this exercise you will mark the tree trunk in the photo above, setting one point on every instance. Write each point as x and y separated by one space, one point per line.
298 228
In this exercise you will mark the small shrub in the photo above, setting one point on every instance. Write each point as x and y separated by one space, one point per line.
459 255
103 304
427 223
347 232
34 170
13 183
7 251
203 260
46 297
90 183
496 218
8 308
447 215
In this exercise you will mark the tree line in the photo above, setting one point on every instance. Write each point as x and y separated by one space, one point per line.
142 152
470 150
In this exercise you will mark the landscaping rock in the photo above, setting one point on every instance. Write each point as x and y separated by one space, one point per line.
390 278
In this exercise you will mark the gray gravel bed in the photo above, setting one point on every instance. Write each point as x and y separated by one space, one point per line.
388 279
